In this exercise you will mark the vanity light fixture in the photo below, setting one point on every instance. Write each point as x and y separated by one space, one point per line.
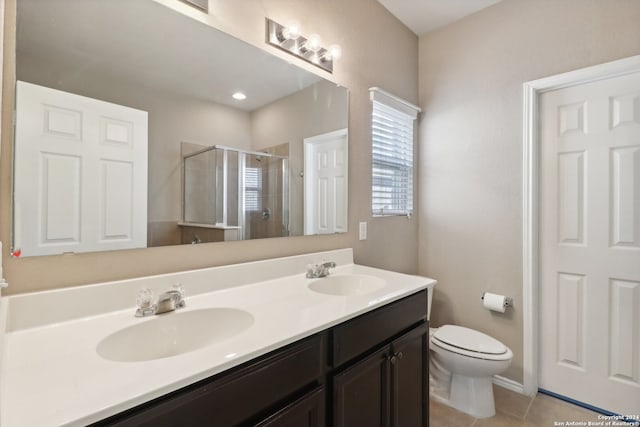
289 39
239 96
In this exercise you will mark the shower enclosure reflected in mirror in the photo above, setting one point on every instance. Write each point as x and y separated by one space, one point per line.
232 194
181 74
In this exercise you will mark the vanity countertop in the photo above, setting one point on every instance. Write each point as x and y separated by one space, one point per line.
52 374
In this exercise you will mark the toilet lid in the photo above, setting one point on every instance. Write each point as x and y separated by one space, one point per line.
469 339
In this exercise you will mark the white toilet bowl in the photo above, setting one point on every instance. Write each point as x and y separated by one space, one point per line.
463 362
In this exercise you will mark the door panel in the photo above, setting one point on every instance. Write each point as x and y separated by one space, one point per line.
625 194
589 243
623 357
60 198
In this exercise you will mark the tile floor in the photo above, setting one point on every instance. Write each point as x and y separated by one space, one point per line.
513 410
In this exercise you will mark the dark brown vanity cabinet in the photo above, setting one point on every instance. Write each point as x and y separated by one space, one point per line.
386 388
369 371
389 386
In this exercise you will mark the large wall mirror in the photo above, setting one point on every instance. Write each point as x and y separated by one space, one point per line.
131 131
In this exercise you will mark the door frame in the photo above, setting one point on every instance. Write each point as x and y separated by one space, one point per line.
530 192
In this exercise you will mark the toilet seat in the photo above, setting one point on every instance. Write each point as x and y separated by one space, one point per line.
471 343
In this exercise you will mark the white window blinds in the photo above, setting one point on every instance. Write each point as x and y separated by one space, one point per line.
392 154
252 189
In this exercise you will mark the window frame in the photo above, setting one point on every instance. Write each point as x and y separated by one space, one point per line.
390 114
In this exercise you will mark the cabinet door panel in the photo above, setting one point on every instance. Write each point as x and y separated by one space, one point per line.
410 379
309 411
361 395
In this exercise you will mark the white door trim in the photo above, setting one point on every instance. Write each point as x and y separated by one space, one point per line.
530 188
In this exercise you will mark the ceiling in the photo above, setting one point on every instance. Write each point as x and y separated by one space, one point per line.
422 16
143 42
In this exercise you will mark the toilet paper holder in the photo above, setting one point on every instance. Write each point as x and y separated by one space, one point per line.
508 301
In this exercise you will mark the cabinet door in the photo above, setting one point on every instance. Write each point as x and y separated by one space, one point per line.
360 393
308 411
410 379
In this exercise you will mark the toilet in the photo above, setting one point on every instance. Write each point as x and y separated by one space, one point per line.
462 363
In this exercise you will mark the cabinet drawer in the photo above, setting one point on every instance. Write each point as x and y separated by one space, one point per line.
369 330
233 398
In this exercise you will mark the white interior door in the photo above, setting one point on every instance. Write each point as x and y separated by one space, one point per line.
325 189
590 243
80 180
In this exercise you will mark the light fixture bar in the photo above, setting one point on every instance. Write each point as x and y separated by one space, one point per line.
300 46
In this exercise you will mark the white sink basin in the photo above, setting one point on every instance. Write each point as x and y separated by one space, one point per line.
347 284
173 333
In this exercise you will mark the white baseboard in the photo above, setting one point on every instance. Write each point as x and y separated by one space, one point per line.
508 384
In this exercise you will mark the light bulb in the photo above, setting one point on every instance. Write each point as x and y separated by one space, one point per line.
291 30
239 96
314 42
334 52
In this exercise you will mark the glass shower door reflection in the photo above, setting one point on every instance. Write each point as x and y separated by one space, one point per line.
266 198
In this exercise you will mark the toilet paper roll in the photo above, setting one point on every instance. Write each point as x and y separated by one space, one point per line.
494 302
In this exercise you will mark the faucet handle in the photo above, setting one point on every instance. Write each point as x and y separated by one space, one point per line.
312 270
146 302
320 269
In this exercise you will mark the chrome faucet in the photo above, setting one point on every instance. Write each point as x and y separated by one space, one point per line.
167 301
317 270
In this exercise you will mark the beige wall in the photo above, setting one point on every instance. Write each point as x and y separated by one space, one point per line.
370 38
290 120
471 76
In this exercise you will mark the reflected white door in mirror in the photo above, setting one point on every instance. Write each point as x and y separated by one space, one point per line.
326 159
81 173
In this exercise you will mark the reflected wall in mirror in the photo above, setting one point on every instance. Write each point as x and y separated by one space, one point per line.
127 85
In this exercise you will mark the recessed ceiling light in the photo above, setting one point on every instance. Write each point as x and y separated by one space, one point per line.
239 96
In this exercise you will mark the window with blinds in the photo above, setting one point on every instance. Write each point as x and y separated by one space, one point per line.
392 154
252 189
